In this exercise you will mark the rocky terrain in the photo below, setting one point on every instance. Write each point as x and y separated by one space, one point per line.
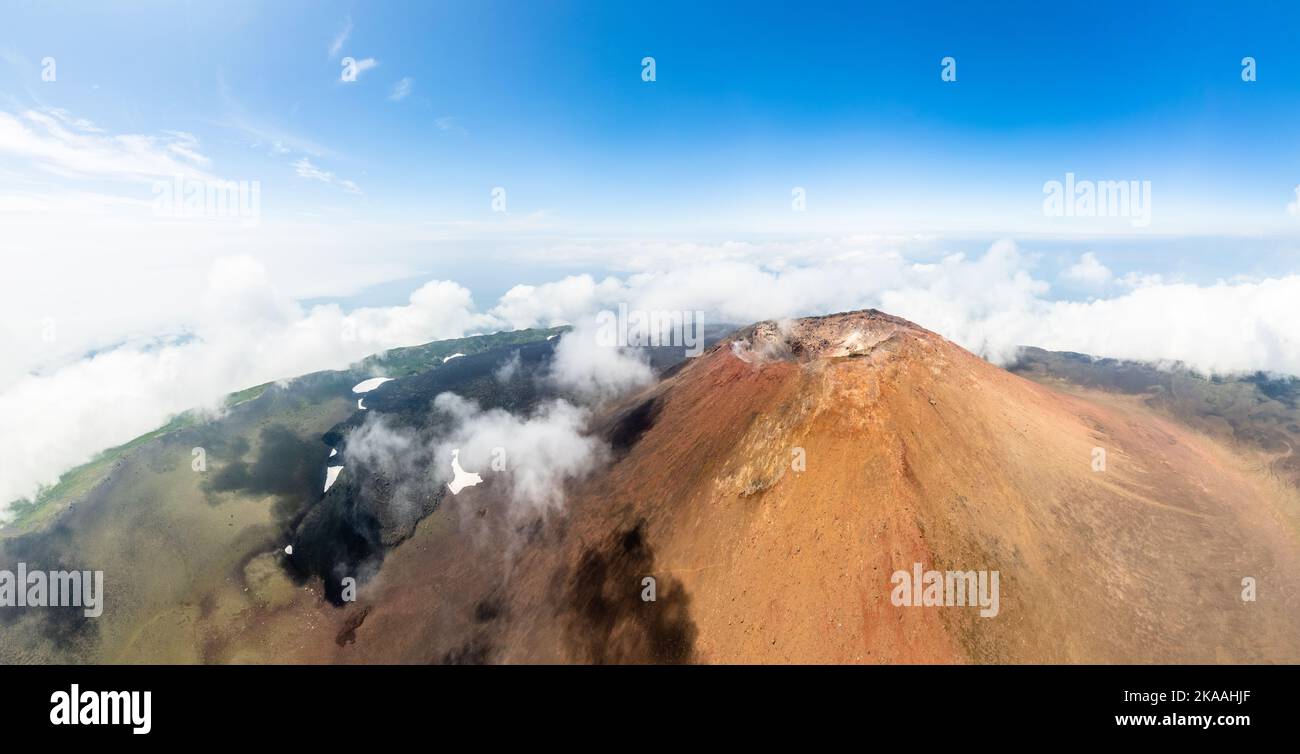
753 505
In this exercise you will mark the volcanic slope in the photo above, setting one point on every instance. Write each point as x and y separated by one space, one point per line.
913 451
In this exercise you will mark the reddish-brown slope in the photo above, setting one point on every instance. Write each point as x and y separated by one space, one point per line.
916 451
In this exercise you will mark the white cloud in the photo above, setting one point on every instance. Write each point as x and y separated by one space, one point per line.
57 413
401 90
1141 280
81 124
1293 208
1088 271
305 169
530 457
558 303
990 304
451 125
542 450
1221 328
186 146
53 142
339 39
68 203
594 371
401 458
247 333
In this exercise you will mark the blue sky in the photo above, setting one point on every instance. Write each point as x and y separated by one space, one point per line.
546 100
788 159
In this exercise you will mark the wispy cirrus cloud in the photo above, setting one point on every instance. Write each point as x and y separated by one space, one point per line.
53 141
451 125
305 169
275 140
342 37
260 134
186 146
401 90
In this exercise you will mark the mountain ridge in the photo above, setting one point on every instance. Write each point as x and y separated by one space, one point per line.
770 487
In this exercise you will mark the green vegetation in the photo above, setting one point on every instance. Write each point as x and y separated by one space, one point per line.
248 394
402 362
29 514
78 481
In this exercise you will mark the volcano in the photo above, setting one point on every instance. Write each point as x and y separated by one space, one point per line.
762 498
851 488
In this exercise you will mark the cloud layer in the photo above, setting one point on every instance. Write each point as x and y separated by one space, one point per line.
56 415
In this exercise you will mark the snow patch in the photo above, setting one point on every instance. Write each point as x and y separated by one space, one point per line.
331 476
367 385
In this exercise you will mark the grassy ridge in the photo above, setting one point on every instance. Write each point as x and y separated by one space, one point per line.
28 514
